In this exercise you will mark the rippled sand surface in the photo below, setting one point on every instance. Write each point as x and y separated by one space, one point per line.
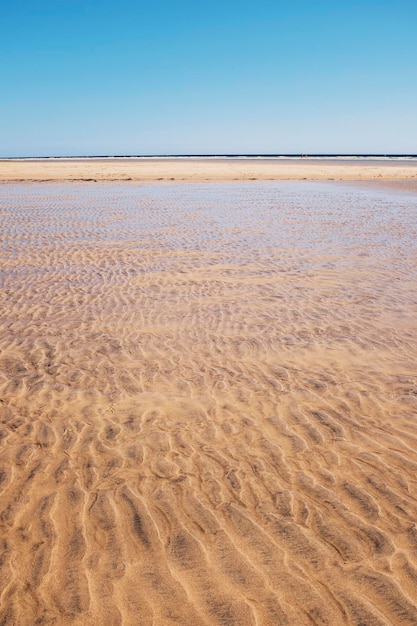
208 405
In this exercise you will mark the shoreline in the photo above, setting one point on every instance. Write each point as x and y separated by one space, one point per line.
190 169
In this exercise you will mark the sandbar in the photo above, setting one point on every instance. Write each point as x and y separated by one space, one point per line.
206 169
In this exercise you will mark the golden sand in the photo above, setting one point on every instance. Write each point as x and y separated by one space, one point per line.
208 405
200 170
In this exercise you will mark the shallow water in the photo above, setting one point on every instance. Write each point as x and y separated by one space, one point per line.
317 216
208 404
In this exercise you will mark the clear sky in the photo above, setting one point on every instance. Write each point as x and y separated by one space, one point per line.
80 77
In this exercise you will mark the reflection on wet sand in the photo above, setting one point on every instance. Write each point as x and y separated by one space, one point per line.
208 405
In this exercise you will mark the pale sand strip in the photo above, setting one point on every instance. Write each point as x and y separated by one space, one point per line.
200 170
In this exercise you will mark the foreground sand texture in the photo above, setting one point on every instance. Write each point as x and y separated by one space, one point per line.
201 170
208 405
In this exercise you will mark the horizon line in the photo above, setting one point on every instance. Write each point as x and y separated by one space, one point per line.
217 155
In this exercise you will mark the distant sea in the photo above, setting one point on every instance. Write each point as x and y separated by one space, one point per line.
346 157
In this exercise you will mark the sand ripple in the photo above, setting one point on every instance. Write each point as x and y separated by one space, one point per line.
208 405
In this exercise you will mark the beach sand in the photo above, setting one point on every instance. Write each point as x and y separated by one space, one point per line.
208 400
201 170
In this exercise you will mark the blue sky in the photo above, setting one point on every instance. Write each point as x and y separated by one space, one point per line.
81 77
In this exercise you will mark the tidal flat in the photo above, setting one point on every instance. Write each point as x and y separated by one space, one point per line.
208 404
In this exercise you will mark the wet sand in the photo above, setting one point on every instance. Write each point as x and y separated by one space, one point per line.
202 169
208 404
